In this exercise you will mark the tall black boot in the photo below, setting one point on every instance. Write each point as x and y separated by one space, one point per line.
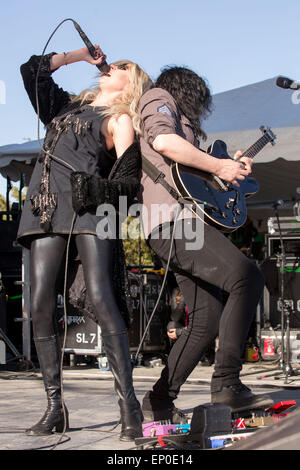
49 355
117 351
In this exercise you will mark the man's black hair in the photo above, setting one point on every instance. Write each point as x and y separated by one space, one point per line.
190 92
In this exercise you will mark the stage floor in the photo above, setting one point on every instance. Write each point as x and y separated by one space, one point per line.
93 408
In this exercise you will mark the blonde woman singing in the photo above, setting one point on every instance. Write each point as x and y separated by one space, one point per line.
94 134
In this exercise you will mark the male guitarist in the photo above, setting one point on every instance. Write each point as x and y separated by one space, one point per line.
171 115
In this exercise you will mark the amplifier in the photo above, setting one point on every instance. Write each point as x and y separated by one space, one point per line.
135 331
156 337
270 345
272 292
291 245
146 287
83 334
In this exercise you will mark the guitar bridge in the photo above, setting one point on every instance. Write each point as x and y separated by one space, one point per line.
222 186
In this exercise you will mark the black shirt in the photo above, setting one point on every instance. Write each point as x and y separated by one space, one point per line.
73 135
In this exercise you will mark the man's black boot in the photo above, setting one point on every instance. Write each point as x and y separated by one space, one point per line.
157 409
240 398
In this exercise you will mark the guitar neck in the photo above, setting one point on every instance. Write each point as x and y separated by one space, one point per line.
257 146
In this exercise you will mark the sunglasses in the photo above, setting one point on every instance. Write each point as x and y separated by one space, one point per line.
121 66
118 66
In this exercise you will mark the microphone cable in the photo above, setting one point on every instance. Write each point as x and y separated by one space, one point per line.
63 162
179 208
189 200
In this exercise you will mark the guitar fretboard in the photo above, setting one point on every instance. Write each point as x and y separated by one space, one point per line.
257 146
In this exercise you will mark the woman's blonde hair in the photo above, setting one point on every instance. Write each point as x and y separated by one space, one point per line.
139 83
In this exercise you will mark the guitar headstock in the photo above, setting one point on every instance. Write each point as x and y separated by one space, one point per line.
267 132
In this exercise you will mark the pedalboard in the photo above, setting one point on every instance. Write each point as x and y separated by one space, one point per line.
212 426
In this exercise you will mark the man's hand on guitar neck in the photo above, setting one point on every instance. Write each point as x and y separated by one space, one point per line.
248 162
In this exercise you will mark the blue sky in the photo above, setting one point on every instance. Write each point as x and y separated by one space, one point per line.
231 43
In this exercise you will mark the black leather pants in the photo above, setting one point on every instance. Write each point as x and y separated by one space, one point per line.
47 260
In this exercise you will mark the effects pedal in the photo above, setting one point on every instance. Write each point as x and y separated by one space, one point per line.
212 426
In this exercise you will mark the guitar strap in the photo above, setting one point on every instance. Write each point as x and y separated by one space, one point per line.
159 177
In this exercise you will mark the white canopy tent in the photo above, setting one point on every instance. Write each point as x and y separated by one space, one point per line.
18 158
236 118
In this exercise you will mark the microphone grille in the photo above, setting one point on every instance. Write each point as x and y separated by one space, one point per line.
284 82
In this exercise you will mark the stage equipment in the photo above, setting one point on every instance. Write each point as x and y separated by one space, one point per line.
272 296
212 427
4 340
144 291
216 201
283 435
10 277
286 308
210 421
271 268
296 207
84 335
103 67
270 345
287 83
288 225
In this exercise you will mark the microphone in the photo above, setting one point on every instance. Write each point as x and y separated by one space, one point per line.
287 83
278 203
103 67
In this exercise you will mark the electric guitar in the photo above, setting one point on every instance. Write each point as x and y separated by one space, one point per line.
216 201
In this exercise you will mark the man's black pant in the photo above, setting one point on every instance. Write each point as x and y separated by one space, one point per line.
202 276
